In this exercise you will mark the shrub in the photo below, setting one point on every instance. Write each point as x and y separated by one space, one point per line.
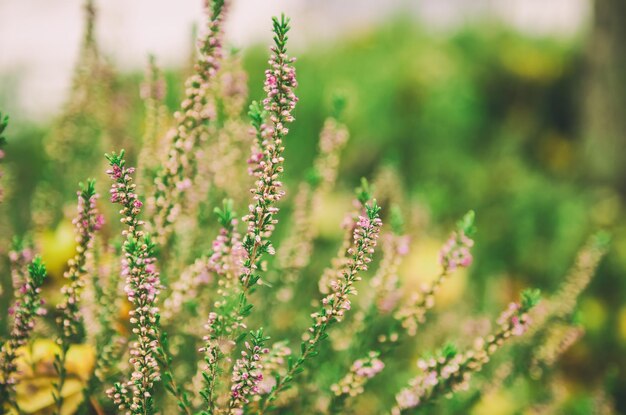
182 311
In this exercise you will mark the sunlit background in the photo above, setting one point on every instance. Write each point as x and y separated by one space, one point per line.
512 108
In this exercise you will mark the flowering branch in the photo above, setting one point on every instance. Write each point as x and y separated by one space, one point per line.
247 373
280 81
175 177
28 305
337 302
353 383
224 261
451 372
70 320
142 288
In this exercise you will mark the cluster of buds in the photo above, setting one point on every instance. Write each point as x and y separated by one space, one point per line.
86 223
247 373
361 371
28 304
274 365
267 159
435 370
365 237
19 256
225 261
142 289
185 138
366 229
455 252
70 320
451 371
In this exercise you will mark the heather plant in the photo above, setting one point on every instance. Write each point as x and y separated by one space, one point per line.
177 297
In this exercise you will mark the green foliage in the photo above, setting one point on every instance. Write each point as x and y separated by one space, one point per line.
466 225
225 215
281 28
364 192
4 122
530 298
37 271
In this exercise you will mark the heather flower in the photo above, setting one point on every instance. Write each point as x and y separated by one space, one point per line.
456 251
19 256
142 289
271 127
336 303
352 384
70 321
247 373
186 137
450 371
28 304
274 366
224 263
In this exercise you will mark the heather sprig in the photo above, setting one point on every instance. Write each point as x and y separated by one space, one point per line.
20 256
229 309
196 111
270 125
142 289
28 304
70 320
353 383
334 305
247 373
221 265
451 371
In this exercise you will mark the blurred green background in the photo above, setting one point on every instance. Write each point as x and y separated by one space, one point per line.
528 131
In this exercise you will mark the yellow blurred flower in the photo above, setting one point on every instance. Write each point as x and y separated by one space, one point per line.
57 246
500 402
37 374
593 314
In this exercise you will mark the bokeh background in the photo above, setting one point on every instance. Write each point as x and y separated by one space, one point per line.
514 109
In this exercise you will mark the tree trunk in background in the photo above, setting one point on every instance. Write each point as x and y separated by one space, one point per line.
605 94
